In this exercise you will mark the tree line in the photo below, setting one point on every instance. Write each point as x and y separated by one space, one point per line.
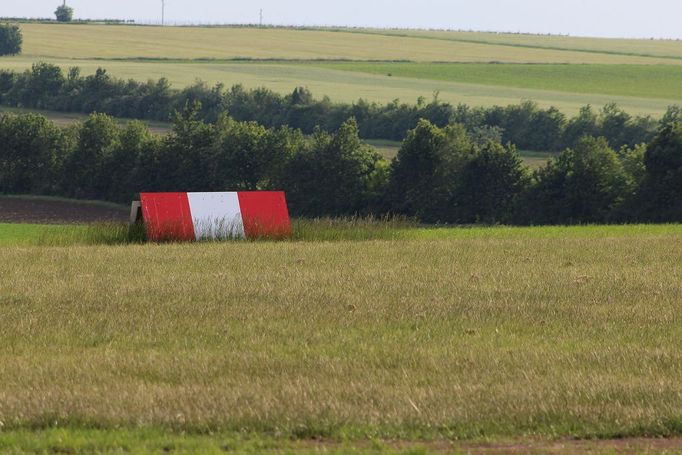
440 175
529 127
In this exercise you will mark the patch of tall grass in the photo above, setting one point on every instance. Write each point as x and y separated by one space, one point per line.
95 234
348 229
352 228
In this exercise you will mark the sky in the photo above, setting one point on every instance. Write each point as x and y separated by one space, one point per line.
607 18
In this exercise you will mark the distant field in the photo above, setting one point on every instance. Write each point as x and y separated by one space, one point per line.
671 49
645 81
77 42
642 76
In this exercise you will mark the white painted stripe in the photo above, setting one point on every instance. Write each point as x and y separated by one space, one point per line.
216 215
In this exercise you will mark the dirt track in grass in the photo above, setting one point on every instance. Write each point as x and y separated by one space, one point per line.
55 211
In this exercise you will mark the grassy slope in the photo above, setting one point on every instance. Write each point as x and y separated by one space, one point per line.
464 333
643 89
671 49
71 42
658 81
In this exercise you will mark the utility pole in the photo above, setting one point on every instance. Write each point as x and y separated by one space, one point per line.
261 16
163 12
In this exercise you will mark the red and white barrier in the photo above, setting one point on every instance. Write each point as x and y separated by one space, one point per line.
199 216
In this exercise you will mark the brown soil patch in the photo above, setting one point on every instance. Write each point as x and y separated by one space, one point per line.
51 211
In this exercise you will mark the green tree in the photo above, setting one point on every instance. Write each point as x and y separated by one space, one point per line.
587 184
11 39
336 174
662 187
241 155
31 153
489 185
633 160
134 141
584 124
64 13
424 173
86 173
187 154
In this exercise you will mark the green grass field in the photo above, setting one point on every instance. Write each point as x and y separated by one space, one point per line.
423 336
640 75
646 81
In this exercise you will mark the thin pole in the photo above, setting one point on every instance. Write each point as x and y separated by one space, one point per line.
261 17
163 12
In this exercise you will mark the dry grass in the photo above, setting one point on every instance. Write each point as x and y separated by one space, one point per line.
633 47
117 41
470 338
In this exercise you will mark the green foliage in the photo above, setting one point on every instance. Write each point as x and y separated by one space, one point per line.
11 39
662 187
336 174
86 171
441 175
31 154
633 162
526 125
584 185
489 185
64 13
424 174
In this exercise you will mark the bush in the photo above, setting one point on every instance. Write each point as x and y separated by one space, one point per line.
11 39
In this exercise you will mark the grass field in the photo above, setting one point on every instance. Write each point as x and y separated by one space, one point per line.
434 335
646 81
671 49
640 75
75 42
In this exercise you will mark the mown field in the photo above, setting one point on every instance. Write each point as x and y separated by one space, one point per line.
347 64
409 337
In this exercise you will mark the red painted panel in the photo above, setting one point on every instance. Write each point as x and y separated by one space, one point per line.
167 216
265 214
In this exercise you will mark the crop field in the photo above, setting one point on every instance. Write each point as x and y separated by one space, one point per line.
356 336
347 64
57 40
